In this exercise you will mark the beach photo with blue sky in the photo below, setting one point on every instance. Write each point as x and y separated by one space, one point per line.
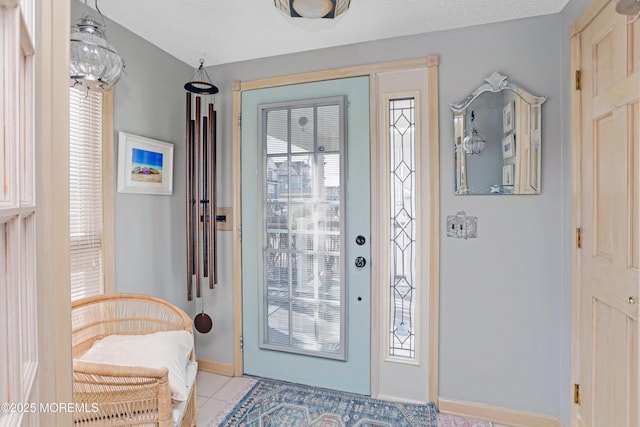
146 166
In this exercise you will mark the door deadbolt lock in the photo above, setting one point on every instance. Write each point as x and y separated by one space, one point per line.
360 240
633 300
361 261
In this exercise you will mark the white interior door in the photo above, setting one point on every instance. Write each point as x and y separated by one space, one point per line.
306 233
610 197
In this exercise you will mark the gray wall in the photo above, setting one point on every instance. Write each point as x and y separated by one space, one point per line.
150 230
505 296
504 308
502 293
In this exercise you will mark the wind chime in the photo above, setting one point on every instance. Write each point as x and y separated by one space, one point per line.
201 188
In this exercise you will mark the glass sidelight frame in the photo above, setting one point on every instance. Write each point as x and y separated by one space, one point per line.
301 303
404 301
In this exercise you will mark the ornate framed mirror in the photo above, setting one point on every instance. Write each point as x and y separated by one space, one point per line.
498 139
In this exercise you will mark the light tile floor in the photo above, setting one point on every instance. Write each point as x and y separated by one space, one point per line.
217 394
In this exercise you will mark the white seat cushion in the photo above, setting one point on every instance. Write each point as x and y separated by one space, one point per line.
179 407
167 349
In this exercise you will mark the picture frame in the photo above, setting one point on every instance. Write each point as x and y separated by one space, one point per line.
508 146
507 175
145 165
508 117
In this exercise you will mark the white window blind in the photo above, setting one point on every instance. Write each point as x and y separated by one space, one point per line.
86 204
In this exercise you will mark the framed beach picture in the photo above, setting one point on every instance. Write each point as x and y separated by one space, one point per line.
145 165
507 174
507 116
508 146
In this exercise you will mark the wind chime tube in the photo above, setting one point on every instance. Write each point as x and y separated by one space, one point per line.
213 272
193 203
193 218
196 193
206 220
188 143
201 149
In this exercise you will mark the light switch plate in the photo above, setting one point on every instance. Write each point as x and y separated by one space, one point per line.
462 226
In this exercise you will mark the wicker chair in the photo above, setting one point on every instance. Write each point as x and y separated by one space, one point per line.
125 396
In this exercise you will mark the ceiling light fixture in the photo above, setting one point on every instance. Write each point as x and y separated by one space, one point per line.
93 62
313 9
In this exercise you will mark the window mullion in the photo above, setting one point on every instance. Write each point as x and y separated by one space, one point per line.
18 304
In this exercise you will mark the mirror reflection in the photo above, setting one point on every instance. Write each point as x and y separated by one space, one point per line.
497 131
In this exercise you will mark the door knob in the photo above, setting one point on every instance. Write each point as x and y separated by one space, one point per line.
361 261
633 300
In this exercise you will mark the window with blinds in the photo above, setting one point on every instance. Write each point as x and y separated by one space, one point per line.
85 194
303 291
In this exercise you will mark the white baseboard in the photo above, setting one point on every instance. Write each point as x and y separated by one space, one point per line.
496 414
216 367
397 399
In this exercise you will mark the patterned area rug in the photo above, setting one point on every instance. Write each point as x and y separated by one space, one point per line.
279 404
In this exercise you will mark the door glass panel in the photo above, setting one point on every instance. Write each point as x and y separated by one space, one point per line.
302 129
302 290
277 134
301 176
328 133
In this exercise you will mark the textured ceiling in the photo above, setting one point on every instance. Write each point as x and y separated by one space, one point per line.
226 31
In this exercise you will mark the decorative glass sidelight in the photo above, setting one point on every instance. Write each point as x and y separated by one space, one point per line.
302 285
402 197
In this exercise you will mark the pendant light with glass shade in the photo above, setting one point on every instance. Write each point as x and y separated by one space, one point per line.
93 63
473 141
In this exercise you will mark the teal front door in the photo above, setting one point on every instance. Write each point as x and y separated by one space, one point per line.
305 233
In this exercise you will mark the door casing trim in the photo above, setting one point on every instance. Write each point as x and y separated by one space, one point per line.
431 63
